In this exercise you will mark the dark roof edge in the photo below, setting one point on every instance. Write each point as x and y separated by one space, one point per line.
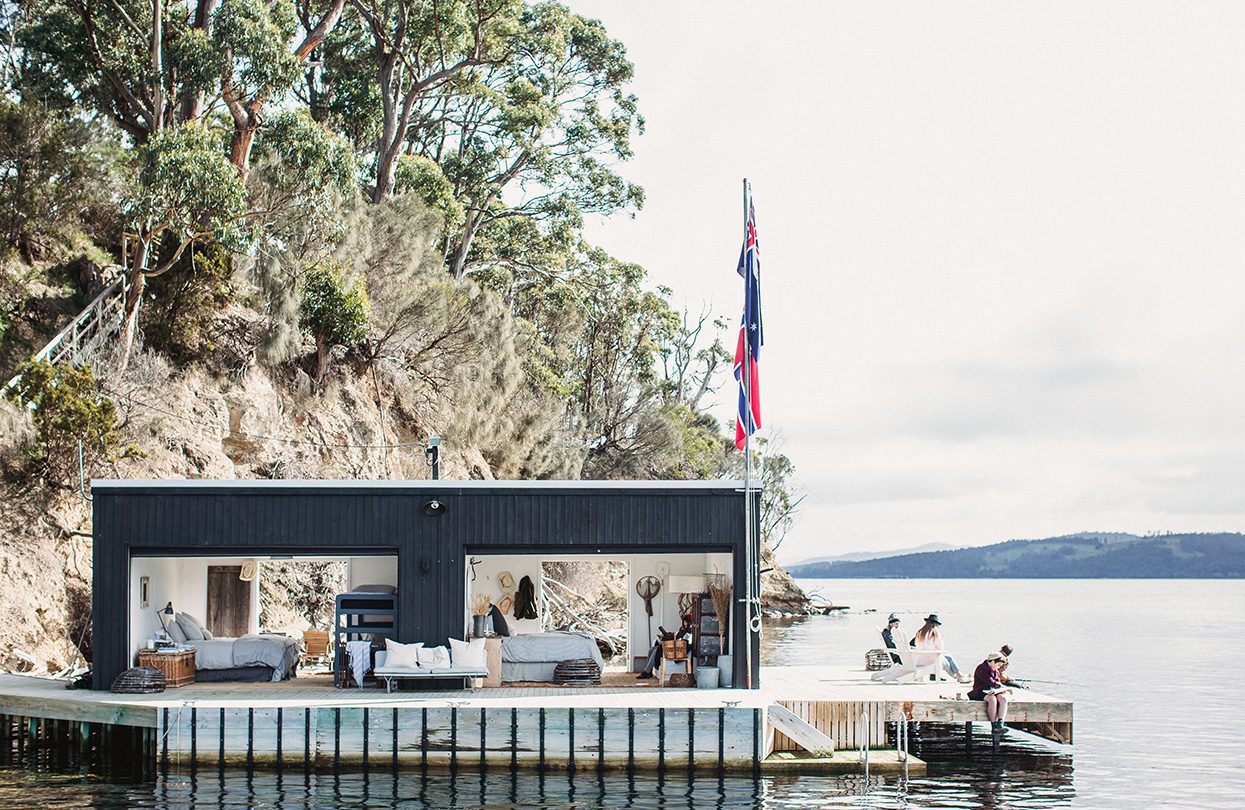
345 485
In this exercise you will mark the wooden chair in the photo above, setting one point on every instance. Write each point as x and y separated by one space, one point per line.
316 647
674 653
919 666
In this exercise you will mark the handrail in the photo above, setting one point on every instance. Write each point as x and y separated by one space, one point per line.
97 321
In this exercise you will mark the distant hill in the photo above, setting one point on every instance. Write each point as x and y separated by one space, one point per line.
857 556
1088 555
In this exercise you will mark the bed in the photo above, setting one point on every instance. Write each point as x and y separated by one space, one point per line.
534 656
263 657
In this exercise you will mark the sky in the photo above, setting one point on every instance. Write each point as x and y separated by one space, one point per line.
1002 245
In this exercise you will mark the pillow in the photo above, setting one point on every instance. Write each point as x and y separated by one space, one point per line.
374 589
191 628
468 654
434 658
499 621
175 630
207 634
401 655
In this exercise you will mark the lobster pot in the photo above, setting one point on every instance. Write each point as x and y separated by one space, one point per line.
877 659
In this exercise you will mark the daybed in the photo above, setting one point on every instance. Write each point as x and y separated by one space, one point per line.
251 657
535 656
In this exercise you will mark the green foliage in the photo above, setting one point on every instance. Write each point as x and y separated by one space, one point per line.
66 405
422 177
189 189
186 304
257 34
333 311
58 176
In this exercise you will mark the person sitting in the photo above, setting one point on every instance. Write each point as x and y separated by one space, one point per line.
888 635
930 638
1006 679
988 687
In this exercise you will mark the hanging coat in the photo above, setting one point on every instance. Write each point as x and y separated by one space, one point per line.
525 600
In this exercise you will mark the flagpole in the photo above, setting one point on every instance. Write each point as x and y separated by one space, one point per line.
749 540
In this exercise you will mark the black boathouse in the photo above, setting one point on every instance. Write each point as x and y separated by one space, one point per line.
431 527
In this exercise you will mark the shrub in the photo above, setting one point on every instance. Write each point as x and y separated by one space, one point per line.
334 312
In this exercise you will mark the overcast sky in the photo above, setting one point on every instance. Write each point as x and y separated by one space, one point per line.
1003 252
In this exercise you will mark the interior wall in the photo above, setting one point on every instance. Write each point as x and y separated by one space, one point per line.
486 572
182 581
662 566
373 571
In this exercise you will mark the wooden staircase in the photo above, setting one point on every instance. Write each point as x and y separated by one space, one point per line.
90 330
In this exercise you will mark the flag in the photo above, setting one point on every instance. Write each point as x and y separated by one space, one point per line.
751 335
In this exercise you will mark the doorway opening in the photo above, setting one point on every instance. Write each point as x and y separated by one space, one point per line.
589 596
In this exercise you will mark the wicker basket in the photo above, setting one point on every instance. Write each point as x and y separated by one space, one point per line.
577 672
877 659
674 649
139 681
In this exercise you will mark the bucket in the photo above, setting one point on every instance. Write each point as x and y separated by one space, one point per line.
479 626
726 674
707 678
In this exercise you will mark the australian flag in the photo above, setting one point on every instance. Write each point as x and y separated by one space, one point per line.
751 335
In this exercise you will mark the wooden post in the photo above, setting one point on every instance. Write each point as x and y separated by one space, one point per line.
968 736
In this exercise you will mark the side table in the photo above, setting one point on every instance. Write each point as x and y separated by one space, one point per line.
178 667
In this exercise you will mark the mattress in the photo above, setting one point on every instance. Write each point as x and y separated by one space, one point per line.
512 671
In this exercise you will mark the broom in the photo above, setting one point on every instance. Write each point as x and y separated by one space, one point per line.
720 593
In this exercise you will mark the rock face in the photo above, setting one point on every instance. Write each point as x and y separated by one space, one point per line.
779 591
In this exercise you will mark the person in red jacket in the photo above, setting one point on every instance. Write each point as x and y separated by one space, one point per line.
988 687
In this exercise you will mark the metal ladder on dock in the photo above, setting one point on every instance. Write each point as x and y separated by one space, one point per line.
86 333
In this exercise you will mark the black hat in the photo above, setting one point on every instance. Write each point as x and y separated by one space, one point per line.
933 617
893 618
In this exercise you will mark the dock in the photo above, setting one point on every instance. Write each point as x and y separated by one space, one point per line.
843 716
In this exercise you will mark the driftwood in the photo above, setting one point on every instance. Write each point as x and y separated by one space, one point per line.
566 609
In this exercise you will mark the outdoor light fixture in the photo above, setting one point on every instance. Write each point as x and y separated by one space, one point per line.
433 454
434 508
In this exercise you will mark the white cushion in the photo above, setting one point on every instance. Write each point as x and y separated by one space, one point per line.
468 654
402 655
434 658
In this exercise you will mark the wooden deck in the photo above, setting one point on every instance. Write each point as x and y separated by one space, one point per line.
614 725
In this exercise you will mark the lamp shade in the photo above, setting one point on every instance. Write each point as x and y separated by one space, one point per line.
685 584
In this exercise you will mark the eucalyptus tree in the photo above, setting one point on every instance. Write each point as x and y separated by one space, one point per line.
532 137
419 48
148 64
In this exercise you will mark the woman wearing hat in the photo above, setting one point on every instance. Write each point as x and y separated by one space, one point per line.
930 638
988 687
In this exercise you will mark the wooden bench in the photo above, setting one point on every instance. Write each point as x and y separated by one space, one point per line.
391 674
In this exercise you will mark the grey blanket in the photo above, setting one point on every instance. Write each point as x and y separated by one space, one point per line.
530 648
278 652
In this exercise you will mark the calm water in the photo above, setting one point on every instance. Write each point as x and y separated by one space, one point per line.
1154 667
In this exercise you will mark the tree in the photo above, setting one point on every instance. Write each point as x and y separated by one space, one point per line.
544 121
149 65
187 192
419 48
57 179
67 406
334 311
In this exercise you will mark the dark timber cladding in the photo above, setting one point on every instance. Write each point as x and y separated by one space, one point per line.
355 518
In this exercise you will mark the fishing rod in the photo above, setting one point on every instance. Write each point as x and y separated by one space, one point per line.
1035 680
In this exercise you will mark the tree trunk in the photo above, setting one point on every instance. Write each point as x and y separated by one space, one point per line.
458 262
133 299
322 360
240 146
